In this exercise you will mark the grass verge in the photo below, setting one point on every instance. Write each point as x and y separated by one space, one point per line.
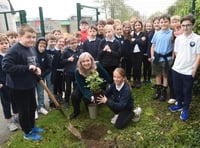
158 127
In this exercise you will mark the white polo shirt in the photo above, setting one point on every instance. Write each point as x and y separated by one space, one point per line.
186 48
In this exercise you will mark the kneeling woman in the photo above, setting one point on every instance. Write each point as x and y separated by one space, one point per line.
119 99
85 66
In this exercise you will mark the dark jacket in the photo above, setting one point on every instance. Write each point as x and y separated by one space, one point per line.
112 58
16 65
43 59
142 44
69 67
91 47
119 100
80 81
2 73
55 61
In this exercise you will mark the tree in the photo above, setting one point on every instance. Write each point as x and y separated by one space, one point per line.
117 9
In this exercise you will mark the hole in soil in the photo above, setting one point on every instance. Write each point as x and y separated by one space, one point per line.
94 132
93 135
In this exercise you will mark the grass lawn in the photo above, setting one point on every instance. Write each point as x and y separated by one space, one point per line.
158 127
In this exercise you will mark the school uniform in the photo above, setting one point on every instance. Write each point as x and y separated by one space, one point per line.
120 101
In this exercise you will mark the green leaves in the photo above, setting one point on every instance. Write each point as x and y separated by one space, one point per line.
94 81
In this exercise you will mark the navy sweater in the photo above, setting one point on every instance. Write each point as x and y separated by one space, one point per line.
70 67
112 58
91 47
16 65
2 73
119 100
142 44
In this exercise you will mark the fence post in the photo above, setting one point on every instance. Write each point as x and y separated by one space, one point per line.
41 21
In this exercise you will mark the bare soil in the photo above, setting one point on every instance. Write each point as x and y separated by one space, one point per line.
93 137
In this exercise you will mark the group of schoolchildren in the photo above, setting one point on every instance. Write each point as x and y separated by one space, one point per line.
168 50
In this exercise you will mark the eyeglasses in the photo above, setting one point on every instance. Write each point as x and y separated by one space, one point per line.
186 25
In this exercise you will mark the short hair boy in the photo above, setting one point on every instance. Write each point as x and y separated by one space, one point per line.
84 25
21 69
161 54
187 51
12 37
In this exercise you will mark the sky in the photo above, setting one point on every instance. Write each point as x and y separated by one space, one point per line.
63 9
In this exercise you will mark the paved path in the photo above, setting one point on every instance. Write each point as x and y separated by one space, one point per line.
4 132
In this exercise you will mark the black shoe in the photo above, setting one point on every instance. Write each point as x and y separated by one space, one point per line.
74 115
138 85
52 105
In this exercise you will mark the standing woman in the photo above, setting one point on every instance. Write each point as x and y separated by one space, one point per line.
119 99
85 66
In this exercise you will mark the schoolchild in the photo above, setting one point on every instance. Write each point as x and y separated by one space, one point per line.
126 50
21 67
69 60
57 69
147 70
187 47
45 66
175 19
5 93
161 54
84 25
138 43
119 36
12 37
177 31
156 28
100 26
119 99
118 33
109 51
92 43
85 66
57 33
78 37
51 53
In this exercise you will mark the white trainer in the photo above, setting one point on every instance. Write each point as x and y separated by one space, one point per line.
114 119
36 115
43 111
12 127
171 101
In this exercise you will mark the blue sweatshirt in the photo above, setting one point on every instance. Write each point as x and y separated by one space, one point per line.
16 65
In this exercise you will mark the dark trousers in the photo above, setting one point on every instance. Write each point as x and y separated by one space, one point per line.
69 80
110 70
124 118
7 101
136 61
170 84
128 68
76 100
182 85
59 83
26 105
147 70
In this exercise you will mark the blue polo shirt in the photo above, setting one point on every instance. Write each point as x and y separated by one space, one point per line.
163 42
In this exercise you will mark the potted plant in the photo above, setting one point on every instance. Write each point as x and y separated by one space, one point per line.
94 81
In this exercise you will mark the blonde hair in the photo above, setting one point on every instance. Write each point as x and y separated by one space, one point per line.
80 68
